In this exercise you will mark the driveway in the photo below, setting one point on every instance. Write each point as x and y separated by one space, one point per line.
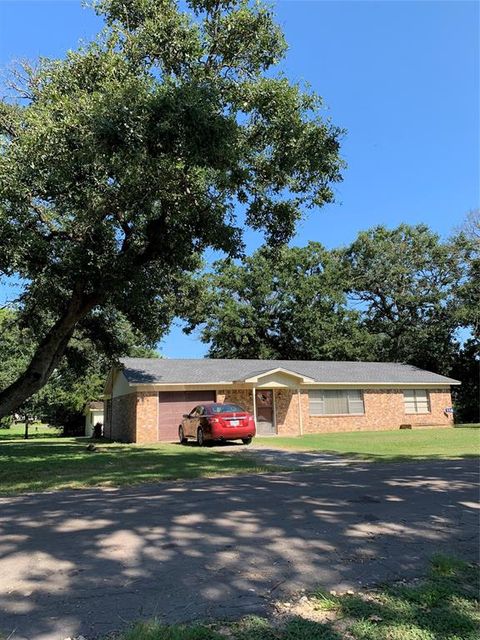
290 459
91 561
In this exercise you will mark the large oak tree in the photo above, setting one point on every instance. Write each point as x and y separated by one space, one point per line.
121 163
78 379
405 282
393 295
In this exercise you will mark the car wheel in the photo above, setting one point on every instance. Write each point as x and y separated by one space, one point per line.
246 440
200 437
181 435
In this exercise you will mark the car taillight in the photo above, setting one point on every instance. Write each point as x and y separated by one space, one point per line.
251 421
215 420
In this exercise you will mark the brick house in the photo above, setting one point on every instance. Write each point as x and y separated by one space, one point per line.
145 398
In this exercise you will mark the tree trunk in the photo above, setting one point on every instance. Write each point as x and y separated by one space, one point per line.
48 354
26 428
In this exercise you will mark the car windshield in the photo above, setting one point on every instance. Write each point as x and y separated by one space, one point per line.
225 408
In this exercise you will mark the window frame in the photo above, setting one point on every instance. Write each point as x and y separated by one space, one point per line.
315 413
415 401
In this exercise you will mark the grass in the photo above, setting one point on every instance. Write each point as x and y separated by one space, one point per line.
43 463
36 430
61 463
442 607
388 445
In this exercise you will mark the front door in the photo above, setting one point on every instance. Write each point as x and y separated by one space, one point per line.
265 412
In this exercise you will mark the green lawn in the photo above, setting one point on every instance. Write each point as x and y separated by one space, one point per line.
442 607
388 445
59 463
37 430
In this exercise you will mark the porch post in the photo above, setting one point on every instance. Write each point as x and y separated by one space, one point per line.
254 408
300 411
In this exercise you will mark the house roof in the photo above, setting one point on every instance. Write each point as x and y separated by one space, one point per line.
209 371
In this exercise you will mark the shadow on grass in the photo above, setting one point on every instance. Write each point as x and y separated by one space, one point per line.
387 446
311 459
442 607
467 426
58 463
213 443
92 562
67 463
372 457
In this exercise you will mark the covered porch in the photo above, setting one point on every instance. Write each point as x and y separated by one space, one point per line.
274 397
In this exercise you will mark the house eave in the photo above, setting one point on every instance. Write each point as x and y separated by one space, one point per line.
249 384
256 379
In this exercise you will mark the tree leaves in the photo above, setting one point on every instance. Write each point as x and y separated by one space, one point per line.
285 303
405 281
132 154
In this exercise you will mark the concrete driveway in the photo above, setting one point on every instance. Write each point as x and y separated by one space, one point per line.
92 561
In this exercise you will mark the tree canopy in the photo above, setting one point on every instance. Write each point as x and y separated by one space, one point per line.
283 303
405 283
398 295
466 366
122 162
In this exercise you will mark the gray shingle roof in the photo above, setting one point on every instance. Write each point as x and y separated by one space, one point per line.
158 370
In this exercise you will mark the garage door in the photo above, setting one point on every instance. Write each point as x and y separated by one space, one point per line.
172 406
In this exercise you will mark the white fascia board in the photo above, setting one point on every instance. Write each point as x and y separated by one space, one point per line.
381 385
293 374
249 384
178 386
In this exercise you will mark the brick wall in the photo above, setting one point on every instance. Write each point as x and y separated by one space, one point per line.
134 417
384 410
147 417
287 414
124 416
243 397
286 406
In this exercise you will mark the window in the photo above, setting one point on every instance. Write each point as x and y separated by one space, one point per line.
225 408
336 402
416 401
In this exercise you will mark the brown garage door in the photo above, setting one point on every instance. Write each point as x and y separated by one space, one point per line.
172 406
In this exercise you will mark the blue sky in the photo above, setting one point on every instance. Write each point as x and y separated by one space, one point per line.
401 77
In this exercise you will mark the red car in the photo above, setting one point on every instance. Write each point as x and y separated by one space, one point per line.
216 421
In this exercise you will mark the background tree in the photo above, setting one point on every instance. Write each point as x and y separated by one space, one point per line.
288 303
127 159
470 227
404 282
411 298
468 290
466 366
